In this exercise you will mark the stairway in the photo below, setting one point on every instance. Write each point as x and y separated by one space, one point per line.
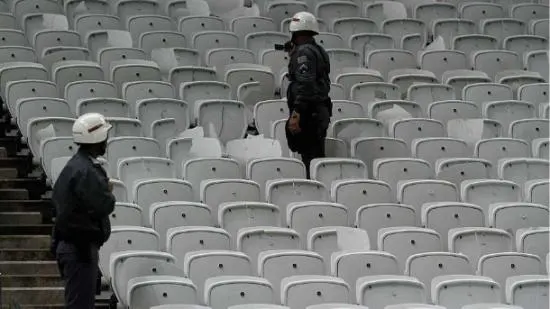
28 272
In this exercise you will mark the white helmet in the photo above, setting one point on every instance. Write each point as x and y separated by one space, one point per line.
90 128
304 21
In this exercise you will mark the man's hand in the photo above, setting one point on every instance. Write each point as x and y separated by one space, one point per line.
294 123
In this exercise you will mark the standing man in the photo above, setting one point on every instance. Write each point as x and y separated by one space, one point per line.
308 93
83 201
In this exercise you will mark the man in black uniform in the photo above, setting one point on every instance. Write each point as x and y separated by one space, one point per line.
83 201
308 93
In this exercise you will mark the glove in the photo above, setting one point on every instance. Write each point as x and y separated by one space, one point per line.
294 123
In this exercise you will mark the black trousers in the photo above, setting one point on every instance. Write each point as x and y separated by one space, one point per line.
315 149
79 269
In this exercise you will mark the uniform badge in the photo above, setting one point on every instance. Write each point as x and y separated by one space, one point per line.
301 59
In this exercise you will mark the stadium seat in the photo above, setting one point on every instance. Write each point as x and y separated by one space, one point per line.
455 291
469 240
527 291
383 290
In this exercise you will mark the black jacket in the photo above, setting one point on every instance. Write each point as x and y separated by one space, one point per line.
83 202
308 73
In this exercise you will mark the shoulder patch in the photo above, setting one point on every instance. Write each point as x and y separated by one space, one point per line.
301 59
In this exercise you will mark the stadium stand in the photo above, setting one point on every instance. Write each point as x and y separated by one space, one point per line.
435 189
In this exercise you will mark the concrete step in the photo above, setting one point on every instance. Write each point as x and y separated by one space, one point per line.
25 241
20 217
18 254
29 281
26 229
35 186
23 164
3 152
53 306
7 172
35 268
11 144
14 194
43 206
33 296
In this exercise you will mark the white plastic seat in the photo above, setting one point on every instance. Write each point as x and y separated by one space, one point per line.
486 192
192 92
405 78
183 74
128 265
91 21
232 216
255 306
533 240
486 92
381 11
539 27
423 306
258 41
373 217
458 79
197 265
218 58
427 266
477 11
355 193
123 147
367 42
126 214
348 128
405 241
528 291
506 112
537 61
17 54
39 129
332 10
391 110
135 91
430 11
184 239
224 291
439 61
413 128
475 242
110 54
236 74
189 25
302 291
500 266
348 26
225 118
214 192
253 240
529 11
66 71
281 11
449 28
518 78
445 111
149 41
369 149
170 57
443 216
55 147
350 76
11 37
386 60
58 164
207 40
329 239
147 193
199 169
351 265
371 92
384 290
124 238
418 192
123 71
535 191
513 216
457 170
490 306
26 88
399 28
134 170
327 170
495 149
127 8
262 170
520 170
150 110
455 291
241 25
469 43
336 148
139 24
282 192
329 40
96 40
494 61
299 216
342 58
433 148
278 132
392 170
36 107
501 28
275 265
521 44
414 42
266 112
529 129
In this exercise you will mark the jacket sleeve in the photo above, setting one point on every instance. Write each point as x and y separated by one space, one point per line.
95 195
305 78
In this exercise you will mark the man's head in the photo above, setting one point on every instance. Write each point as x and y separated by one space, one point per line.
90 132
303 25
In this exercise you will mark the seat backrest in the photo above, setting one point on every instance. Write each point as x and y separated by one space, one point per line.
405 241
468 241
393 170
197 170
327 170
253 240
184 239
330 239
301 292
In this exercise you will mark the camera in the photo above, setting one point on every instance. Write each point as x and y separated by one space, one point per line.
287 47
